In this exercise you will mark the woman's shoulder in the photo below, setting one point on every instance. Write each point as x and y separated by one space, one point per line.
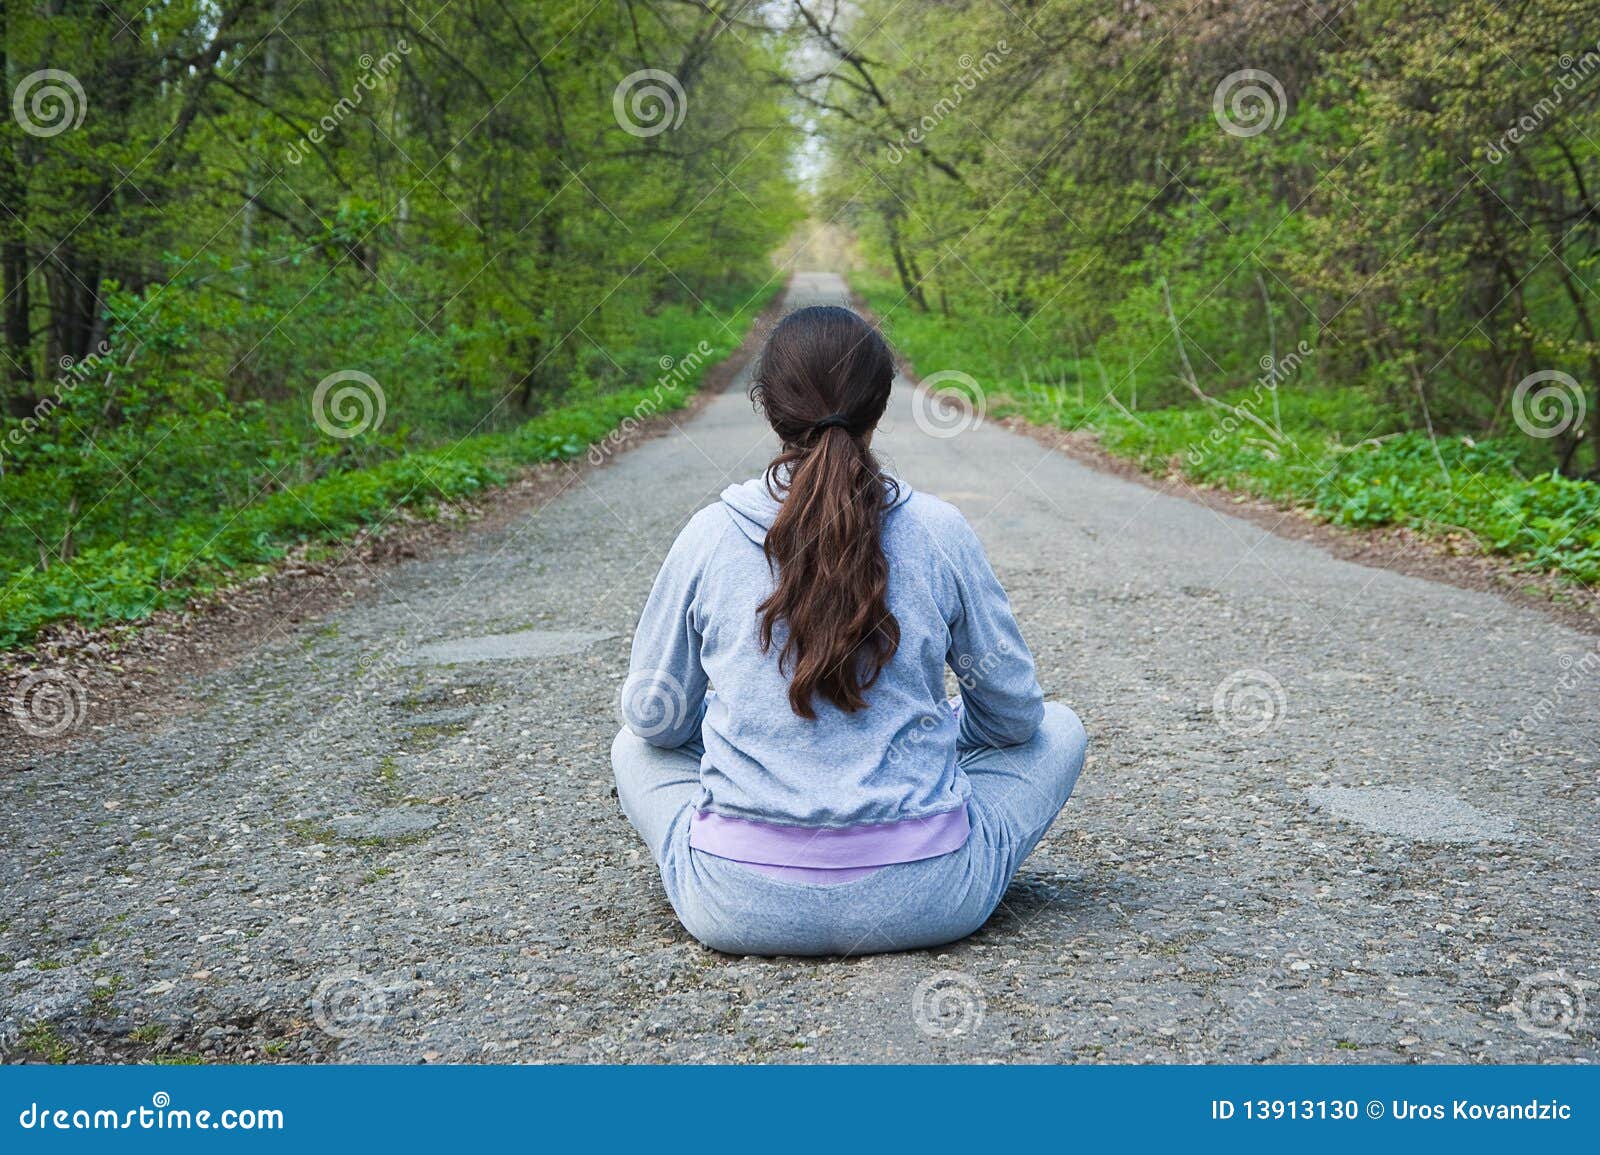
935 516
934 534
707 527
699 541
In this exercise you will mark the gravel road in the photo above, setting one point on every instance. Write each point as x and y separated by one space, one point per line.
1330 813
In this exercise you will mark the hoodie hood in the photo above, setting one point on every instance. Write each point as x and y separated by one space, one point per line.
754 509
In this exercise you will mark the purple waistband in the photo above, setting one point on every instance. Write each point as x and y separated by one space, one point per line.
878 844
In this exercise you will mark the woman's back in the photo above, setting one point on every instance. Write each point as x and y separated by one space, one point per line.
892 762
789 755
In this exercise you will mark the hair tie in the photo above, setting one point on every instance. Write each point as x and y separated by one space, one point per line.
831 421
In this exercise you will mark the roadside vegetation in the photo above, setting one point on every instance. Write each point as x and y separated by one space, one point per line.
1336 451
125 577
1337 255
271 272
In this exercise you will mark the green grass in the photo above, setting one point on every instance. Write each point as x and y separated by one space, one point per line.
41 1039
1330 450
126 580
101 996
179 1059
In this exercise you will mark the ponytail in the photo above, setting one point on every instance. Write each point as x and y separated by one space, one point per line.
830 603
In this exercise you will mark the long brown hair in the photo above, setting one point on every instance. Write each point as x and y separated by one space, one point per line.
823 383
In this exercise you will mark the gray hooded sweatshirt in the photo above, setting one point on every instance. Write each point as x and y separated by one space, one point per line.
882 784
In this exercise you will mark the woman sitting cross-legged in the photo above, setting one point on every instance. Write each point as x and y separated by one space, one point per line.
825 798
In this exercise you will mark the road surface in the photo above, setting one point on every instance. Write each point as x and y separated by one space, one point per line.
1330 813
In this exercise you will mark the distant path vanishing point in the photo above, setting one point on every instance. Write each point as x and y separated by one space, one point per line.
1331 813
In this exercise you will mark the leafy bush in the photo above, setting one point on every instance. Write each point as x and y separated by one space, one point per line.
127 576
1340 453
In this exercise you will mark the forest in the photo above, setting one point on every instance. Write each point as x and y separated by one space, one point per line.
1339 255
274 271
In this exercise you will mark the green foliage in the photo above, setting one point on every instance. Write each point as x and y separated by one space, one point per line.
42 1040
494 213
1333 451
1406 186
124 580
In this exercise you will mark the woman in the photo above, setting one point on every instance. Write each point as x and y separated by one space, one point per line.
825 798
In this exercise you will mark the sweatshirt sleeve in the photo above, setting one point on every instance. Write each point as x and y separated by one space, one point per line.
1001 702
664 698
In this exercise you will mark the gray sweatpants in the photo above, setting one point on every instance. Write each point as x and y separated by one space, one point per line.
1016 793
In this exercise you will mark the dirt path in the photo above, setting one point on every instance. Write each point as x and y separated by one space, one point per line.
1331 813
